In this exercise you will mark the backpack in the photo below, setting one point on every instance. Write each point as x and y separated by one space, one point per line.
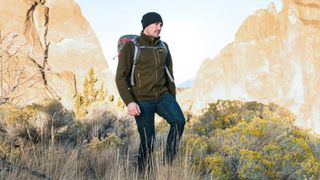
137 49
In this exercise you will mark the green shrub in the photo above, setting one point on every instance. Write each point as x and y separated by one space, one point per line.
250 140
110 141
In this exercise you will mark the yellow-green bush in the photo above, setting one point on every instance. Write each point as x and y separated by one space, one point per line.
34 122
110 141
216 164
250 140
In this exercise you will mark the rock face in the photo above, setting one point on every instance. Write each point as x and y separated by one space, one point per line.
47 50
275 57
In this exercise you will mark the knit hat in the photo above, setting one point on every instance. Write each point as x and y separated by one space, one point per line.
150 18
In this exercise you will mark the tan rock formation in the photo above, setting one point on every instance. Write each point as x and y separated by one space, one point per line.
47 48
275 57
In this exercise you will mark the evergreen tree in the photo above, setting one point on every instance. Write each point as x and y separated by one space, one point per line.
90 94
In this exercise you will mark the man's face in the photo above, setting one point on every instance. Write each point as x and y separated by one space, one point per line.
153 30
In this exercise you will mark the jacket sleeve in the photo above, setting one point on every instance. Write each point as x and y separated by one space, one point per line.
170 85
123 72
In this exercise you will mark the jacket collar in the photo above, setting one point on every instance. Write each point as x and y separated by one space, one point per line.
149 40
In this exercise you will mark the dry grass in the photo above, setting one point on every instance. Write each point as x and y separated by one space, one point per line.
55 162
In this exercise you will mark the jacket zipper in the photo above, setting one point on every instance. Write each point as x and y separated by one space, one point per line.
156 59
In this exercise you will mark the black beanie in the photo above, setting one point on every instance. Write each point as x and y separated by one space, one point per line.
150 18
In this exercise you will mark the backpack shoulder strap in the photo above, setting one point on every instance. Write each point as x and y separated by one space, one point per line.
165 66
165 48
135 60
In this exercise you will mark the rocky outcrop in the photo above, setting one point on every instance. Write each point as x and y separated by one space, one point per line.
275 57
47 49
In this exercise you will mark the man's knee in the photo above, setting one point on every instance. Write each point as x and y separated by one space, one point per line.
180 122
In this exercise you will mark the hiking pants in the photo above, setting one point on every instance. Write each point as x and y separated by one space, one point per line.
167 107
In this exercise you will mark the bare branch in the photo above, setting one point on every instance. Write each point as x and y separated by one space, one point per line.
11 77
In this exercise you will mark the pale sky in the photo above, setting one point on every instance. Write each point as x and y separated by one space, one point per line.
194 30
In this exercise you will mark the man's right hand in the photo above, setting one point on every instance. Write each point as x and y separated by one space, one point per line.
133 109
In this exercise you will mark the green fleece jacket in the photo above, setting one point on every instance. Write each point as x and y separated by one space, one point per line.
150 77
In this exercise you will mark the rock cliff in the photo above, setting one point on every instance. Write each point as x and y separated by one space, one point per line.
47 48
275 57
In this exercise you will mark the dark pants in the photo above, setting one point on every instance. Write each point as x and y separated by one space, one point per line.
168 108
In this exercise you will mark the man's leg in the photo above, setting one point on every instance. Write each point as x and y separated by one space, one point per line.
169 109
146 129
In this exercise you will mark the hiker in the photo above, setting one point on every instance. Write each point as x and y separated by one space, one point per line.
146 86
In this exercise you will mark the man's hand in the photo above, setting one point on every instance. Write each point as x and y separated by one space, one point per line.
133 109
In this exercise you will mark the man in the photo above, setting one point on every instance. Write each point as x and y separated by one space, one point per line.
154 89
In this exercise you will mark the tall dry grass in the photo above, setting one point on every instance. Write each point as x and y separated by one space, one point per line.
57 162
